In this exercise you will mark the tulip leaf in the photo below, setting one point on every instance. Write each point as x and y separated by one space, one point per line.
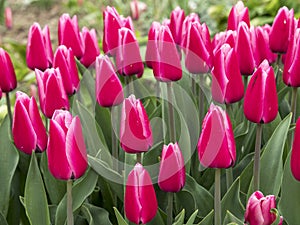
120 219
35 198
179 219
159 218
8 163
2 219
208 219
192 218
95 215
104 119
232 219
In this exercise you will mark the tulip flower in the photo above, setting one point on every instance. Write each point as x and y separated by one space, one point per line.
225 37
91 48
295 155
176 20
52 94
8 18
216 146
65 61
151 44
69 35
260 103
28 130
8 80
135 129
171 177
283 24
193 17
67 156
109 90
238 13
227 84
136 8
140 204
128 57
258 210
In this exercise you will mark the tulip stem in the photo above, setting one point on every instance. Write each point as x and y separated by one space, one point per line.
170 208
139 158
256 168
114 143
194 89
171 112
9 108
218 197
294 103
70 219
229 172
201 97
245 83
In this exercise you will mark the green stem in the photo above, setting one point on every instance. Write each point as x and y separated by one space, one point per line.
256 168
70 218
139 158
278 68
194 90
157 89
229 172
294 103
218 197
201 97
245 83
114 143
131 87
170 208
9 108
171 112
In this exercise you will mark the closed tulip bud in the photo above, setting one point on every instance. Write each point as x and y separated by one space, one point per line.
65 61
283 24
237 14
176 20
295 155
109 90
28 130
67 156
51 90
227 84
258 210
225 37
135 129
260 102
8 18
171 177
193 17
8 80
151 44
128 57
140 204
216 146
91 48
69 35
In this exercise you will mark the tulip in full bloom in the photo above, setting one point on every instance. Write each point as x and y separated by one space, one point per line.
176 20
135 129
258 210
67 156
28 130
260 102
171 177
8 80
216 146
237 14
295 155
52 93
91 48
140 204
109 90
227 84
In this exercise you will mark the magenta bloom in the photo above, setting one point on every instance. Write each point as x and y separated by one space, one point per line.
91 48
176 20
140 204
28 130
135 129
238 13
225 37
151 44
227 84
52 94
69 34
65 61
295 155
8 80
67 156
171 177
193 17
216 146
258 210
109 90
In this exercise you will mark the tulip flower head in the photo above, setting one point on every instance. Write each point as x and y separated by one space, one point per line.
140 204
91 48
295 155
216 146
224 37
238 13
8 80
193 17
136 8
176 20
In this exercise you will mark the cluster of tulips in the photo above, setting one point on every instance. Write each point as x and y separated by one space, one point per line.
242 51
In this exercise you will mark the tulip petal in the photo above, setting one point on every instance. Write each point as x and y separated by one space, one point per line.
8 80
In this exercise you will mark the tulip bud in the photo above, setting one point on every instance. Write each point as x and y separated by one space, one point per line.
295 155
67 156
65 61
52 94
227 84
193 17
128 57
135 129
140 204
136 8
216 146
28 130
151 47
258 210
171 177
91 48
176 20
260 102
69 35
225 37
109 90
238 13
8 80
8 18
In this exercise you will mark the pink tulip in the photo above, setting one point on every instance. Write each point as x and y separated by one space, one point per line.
295 155
28 130
65 61
136 8
135 129
171 177
109 90
176 20
151 44
238 13
67 156
52 94
260 103
8 80
140 204
225 37
216 146
91 48
193 17
8 18
227 84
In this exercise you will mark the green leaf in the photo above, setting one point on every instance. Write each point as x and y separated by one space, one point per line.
179 219
208 220
192 218
121 220
8 164
2 219
232 219
95 215
35 197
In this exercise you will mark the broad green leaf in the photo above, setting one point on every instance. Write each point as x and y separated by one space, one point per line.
2 219
232 219
208 219
8 164
95 215
104 119
120 219
160 218
35 197
179 219
192 218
